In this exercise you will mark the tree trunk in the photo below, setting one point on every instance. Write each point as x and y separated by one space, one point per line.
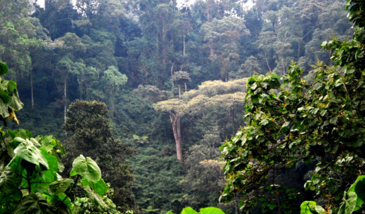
157 46
299 47
172 81
179 91
163 43
184 46
267 61
65 99
31 88
186 87
176 128
233 123
211 50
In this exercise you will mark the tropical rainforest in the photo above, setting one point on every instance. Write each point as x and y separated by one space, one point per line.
152 106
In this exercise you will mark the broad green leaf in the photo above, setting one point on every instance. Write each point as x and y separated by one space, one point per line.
9 180
320 210
42 182
27 151
34 203
100 187
274 82
35 142
348 203
87 168
11 86
307 207
188 210
3 69
9 201
96 198
15 102
61 185
48 143
66 201
211 210
22 133
51 161
3 109
359 188
16 165
5 96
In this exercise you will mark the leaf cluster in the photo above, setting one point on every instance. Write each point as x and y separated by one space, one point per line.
292 121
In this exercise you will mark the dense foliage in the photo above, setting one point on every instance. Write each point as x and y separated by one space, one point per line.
298 121
90 134
164 68
30 181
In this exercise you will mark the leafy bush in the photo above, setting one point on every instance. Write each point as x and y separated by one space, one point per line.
30 180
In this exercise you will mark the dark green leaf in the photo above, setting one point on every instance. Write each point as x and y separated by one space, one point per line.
87 168
359 188
34 203
348 203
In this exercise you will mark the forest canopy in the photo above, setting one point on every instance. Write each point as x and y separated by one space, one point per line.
151 89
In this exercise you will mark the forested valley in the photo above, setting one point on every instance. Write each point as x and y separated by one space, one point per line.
152 106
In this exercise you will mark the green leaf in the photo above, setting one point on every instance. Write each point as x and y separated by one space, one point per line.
100 187
211 210
307 206
320 210
188 210
3 69
5 96
51 161
9 180
87 168
27 151
61 185
264 122
48 143
15 102
41 183
3 109
323 44
348 203
359 188
34 203
66 201
12 86
96 198
23 133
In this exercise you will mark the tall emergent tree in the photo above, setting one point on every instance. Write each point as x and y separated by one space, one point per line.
293 121
181 77
213 99
90 134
